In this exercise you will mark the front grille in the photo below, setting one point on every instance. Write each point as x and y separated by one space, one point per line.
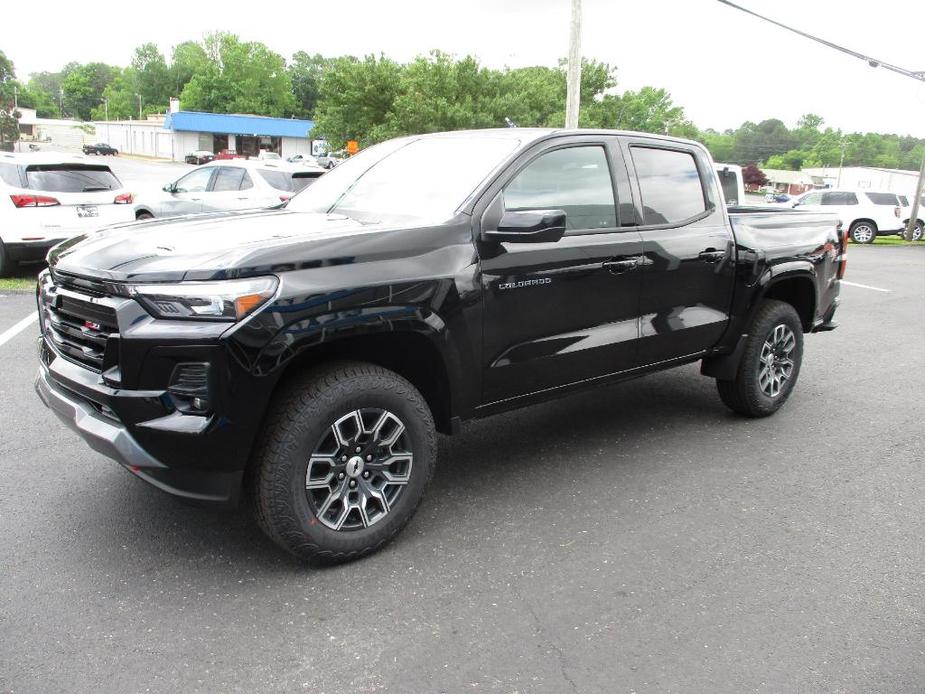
78 329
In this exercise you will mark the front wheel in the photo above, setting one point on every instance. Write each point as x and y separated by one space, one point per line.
863 232
343 462
770 362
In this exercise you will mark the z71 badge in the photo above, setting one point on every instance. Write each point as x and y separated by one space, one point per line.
525 283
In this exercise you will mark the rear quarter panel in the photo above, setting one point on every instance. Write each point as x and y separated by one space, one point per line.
772 246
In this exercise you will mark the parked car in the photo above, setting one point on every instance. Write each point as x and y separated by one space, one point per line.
200 156
777 197
228 154
906 213
309 354
46 198
234 184
266 155
303 159
100 148
864 213
329 160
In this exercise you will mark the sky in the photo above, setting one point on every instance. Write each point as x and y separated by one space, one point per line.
722 66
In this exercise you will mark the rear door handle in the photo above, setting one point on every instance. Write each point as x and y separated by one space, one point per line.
711 255
618 267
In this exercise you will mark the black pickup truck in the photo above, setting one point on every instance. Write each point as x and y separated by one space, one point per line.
304 357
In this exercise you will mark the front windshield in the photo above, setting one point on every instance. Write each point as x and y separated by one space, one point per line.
407 181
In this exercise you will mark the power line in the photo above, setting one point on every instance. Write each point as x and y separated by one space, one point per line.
873 62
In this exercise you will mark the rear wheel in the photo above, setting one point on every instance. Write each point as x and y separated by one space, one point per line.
770 363
144 215
916 232
863 232
343 462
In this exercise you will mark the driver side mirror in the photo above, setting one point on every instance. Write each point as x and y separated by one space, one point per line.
170 188
530 226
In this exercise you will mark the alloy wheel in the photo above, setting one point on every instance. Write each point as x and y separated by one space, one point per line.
776 360
359 469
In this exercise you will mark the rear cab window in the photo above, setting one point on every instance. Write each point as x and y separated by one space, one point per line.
70 178
670 185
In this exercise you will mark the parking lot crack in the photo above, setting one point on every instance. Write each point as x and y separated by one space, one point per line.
545 639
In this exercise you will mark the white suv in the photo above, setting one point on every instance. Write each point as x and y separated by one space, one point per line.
48 197
864 213
228 184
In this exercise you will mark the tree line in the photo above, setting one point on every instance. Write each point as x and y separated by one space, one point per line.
372 98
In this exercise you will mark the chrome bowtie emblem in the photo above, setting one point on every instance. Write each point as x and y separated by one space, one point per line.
355 466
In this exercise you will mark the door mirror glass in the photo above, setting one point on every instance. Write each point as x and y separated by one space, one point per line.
170 188
529 226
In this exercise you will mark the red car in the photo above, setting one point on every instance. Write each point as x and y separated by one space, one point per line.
229 154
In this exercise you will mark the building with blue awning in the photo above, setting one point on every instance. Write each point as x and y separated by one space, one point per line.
177 133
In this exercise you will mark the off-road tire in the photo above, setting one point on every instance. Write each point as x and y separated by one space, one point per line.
298 419
744 394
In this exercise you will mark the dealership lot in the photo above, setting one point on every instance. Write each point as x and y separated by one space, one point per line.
635 538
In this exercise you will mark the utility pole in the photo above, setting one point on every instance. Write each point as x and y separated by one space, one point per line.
914 212
139 106
573 76
15 98
841 163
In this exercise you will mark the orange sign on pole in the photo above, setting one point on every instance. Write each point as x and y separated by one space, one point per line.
352 147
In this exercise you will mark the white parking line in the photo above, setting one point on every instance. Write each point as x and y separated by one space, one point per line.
9 334
865 286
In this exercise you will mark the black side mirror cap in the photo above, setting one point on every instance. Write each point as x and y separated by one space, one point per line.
529 226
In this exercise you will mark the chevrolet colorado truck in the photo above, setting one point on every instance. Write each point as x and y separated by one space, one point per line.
304 357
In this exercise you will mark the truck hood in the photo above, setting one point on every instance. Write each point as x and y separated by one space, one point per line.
209 246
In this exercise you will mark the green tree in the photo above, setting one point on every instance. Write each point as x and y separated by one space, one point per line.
83 87
121 102
152 79
188 58
305 73
46 86
355 98
240 77
9 116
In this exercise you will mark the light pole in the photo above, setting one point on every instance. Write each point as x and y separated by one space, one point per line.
573 76
105 108
139 106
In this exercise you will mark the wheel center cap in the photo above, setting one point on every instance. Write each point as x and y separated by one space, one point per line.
355 466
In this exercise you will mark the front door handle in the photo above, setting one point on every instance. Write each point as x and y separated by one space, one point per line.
618 267
711 255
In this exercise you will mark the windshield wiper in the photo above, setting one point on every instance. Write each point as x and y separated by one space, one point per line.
94 189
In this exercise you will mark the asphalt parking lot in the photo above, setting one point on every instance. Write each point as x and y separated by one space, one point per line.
638 538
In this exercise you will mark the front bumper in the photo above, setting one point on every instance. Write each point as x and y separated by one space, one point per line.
83 405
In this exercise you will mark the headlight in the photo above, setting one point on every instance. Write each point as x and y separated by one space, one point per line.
227 300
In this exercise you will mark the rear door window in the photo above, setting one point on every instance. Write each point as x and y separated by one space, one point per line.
670 185
839 198
227 178
883 199
70 178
